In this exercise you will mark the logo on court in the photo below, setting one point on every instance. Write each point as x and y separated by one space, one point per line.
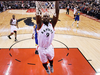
29 20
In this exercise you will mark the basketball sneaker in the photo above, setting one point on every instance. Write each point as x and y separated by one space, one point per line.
36 52
9 37
51 68
16 40
77 26
48 71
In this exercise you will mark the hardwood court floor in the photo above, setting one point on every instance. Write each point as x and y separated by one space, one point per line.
87 27
24 61
85 38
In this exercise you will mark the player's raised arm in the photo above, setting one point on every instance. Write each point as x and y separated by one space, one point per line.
56 15
38 18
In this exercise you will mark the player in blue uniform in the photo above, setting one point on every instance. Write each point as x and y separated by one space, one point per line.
77 17
34 35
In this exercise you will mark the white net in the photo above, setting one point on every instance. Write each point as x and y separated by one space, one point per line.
46 6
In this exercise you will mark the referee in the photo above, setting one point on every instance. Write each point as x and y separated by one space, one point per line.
67 12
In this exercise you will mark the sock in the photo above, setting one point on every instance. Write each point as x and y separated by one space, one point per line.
77 23
73 22
45 66
51 62
36 47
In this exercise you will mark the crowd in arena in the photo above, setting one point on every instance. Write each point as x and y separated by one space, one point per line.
16 4
91 8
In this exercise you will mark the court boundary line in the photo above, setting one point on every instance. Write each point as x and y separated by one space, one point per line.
58 60
86 60
65 48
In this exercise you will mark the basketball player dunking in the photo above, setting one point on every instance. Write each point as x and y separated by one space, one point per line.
14 26
45 36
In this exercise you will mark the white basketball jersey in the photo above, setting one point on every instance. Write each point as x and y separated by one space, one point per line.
45 35
14 21
75 10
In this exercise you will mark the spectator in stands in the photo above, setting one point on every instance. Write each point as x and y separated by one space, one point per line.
1 7
89 7
98 15
67 11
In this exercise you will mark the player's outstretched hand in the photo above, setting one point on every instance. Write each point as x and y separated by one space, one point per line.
32 36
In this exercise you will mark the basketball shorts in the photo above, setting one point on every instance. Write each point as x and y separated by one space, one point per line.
13 28
77 18
46 53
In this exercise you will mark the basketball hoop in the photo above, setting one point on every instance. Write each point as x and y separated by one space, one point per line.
45 6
